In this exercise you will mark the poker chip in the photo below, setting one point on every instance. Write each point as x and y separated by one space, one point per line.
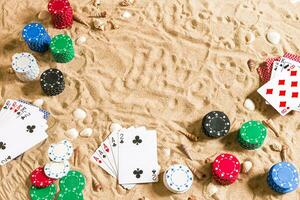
62 49
178 178
252 134
61 12
73 181
61 151
36 37
39 179
47 193
52 82
70 195
216 124
283 177
226 168
25 66
57 170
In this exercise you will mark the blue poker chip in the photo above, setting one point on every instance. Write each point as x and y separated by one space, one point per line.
178 178
283 177
36 37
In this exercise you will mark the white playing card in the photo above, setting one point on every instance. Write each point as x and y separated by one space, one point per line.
99 161
102 155
105 146
138 157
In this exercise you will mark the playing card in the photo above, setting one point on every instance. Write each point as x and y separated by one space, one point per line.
282 92
101 154
99 161
105 147
138 156
265 71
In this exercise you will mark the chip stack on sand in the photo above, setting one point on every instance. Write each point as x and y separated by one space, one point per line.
283 177
252 135
36 37
72 185
42 193
216 124
178 178
25 66
62 49
226 168
39 179
52 82
61 13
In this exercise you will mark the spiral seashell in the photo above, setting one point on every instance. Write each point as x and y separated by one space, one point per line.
80 19
196 172
185 149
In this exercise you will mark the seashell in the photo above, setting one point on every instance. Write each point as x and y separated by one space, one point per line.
76 156
126 14
190 136
246 166
87 132
283 152
80 19
276 147
251 64
271 125
81 40
44 14
72 133
273 37
100 24
196 172
115 127
113 25
38 102
96 185
186 151
192 197
79 114
97 2
250 37
211 189
124 3
166 152
10 71
249 104
99 15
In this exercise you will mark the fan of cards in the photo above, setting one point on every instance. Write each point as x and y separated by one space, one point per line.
22 126
281 89
129 154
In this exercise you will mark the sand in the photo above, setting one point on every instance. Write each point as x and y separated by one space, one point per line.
164 68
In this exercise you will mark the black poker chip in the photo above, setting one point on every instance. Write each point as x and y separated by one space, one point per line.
52 82
216 124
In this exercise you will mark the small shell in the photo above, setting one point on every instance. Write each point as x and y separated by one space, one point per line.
115 127
246 166
100 24
80 19
166 152
186 150
126 14
211 189
97 2
10 71
249 105
38 102
43 15
87 132
81 40
276 147
72 133
273 37
79 114
99 15
196 172
124 3
192 197
250 37
251 64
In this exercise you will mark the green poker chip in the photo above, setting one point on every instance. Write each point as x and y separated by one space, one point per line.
73 181
61 47
69 195
252 134
47 193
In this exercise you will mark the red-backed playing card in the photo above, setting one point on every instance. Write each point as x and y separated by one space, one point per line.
265 71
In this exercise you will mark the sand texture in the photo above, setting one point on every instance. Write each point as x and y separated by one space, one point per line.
164 68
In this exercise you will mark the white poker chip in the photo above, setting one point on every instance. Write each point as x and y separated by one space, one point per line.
25 66
57 170
61 151
178 178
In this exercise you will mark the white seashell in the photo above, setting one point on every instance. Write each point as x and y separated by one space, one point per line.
79 114
72 133
97 2
249 105
273 37
211 189
126 14
250 37
100 24
87 132
43 15
166 152
276 147
115 127
81 40
246 166
38 102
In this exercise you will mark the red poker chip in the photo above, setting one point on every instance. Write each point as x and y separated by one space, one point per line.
63 20
39 179
58 6
226 168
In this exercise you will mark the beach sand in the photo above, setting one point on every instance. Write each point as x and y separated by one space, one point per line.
164 68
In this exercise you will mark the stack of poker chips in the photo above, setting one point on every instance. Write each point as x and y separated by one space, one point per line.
215 124
252 134
36 37
61 12
52 82
283 177
25 66
71 186
178 178
226 168
62 49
